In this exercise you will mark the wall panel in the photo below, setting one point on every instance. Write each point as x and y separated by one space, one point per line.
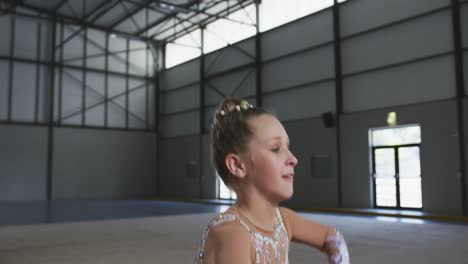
309 101
151 104
72 49
103 164
95 99
23 162
116 113
418 38
304 33
72 91
44 86
184 74
4 86
26 38
138 58
379 13
24 92
176 179
417 82
181 124
5 28
230 57
239 83
117 61
314 65
96 55
181 99
137 106
464 23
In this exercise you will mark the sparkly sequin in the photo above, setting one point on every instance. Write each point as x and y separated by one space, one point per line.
268 249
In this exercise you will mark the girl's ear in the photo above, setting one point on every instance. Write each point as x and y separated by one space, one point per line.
235 165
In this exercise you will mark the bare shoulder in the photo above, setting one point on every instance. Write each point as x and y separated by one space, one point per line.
230 232
228 242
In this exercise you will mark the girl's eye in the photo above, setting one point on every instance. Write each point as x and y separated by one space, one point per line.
275 150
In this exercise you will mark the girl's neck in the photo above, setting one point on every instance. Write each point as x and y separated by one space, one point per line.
259 212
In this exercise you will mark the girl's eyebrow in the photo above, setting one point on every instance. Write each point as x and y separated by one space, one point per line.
279 138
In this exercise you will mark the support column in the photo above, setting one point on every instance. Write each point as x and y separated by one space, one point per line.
338 95
258 56
202 112
50 138
460 88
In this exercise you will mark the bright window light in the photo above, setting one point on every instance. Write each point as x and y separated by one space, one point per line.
183 49
274 13
222 32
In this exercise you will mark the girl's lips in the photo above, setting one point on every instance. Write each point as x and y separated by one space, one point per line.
288 177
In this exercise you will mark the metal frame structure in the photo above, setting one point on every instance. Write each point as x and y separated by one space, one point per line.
460 88
63 13
180 19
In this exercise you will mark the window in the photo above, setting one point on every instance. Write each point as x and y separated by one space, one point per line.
222 32
274 13
396 136
183 49
240 25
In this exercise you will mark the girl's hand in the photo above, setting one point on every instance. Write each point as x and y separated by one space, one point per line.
336 249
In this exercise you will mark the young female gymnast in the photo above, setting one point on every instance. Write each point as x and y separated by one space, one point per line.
250 150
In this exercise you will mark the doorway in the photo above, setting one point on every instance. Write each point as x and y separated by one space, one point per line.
223 191
396 167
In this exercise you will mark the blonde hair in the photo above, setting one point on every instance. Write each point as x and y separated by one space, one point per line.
231 133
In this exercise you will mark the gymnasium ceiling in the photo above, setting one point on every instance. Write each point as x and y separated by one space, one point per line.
162 21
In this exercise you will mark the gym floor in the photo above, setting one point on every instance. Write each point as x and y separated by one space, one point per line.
169 232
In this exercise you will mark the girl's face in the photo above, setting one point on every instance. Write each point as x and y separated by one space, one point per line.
271 164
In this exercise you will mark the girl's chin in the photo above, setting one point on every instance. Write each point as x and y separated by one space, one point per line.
286 196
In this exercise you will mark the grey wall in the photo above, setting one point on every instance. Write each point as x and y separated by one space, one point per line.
103 164
23 160
87 164
178 178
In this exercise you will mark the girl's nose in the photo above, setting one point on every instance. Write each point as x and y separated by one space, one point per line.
292 160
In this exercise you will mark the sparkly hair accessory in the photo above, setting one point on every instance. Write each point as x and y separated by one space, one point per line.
243 106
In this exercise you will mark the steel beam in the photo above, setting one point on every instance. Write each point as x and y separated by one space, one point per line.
338 95
38 71
202 85
106 81
200 23
50 138
131 13
11 69
460 87
83 78
102 54
258 58
157 22
59 5
60 84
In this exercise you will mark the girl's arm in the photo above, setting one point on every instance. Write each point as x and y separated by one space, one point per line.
322 237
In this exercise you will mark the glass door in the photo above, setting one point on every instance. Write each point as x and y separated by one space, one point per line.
410 177
397 176
385 177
